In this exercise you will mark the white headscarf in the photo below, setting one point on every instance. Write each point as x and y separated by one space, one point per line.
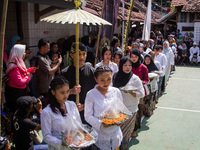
167 49
15 58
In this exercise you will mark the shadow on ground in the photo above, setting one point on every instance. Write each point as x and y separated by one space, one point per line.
144 127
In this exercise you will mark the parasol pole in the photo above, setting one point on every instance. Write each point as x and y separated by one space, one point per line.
77 60
127 25
2 34
77 4
99 33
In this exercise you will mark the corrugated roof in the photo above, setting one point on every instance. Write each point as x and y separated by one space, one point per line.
191 6
178 3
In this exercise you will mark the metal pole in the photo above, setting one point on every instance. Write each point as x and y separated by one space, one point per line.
77 60
99 33
123 26
2 34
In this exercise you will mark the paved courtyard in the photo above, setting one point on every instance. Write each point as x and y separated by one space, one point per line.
175 124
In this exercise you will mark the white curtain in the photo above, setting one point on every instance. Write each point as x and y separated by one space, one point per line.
147 23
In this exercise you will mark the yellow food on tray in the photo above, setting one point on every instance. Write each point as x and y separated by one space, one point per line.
114 118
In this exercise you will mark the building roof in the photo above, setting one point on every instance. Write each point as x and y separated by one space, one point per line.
191 6
95 7
178 3
167 16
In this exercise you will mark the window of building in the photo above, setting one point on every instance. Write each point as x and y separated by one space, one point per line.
191 15
183 17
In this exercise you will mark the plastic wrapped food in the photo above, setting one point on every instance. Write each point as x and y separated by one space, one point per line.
115 114
152 75
78 135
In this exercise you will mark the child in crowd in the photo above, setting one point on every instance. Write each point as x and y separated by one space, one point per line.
117 56
54 115
97 100
107 56
54 58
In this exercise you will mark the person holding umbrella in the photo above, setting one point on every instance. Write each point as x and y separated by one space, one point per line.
86 77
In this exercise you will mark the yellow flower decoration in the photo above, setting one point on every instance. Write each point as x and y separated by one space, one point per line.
77 3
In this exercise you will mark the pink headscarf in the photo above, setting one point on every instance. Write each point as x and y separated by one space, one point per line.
15 58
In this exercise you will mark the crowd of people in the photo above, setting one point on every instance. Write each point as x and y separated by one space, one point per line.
134 79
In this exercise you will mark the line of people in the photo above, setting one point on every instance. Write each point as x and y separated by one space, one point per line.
98 87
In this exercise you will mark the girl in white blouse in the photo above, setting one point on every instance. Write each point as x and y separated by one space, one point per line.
107 56
54 117
97 100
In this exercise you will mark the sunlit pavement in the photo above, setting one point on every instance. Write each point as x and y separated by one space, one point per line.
175 124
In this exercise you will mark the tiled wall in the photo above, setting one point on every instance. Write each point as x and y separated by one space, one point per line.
33 32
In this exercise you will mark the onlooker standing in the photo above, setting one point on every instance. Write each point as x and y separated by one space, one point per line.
86 77
194 53
45 73
18 75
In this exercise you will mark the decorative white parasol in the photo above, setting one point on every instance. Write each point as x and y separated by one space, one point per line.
76 16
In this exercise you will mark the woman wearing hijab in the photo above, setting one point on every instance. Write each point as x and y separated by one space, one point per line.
148 61
125 77
170 60
18 75
141 71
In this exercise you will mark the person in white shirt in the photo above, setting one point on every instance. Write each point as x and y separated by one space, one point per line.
107 56
125 77
157 63
55 116
194 54
97 101
170 60
162 59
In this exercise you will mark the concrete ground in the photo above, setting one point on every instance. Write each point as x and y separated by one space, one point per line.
175 124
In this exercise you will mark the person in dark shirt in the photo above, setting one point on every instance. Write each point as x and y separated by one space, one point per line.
86 78
24 123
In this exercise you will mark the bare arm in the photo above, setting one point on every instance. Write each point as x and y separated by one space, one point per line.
54 69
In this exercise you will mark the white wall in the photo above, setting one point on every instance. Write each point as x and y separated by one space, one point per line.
185 24
197 32
34 32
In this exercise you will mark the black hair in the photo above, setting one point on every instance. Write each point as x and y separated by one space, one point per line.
106 48
52 44
56 83
157 47
160 47
67 44
114 40
101 69
82 47
42 42
85 40
93 42
118 53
